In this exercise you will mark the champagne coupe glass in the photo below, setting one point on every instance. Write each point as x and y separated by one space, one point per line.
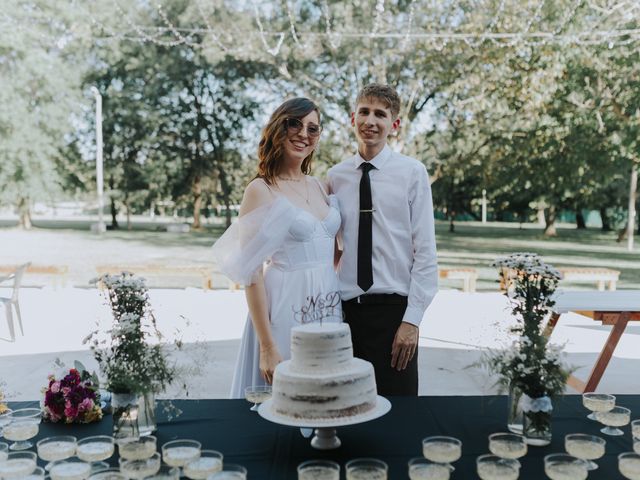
4 451
37 474
51 449
4 419
18 465
585 447
629 465
616 417
178 453
441 449
23 425
165 473
508 445
109 474
319 470
422 469
230 471
598 402
635 429
257 394
493 467
209 461
139 469
366 469
140 448
70 469
96 449
560 466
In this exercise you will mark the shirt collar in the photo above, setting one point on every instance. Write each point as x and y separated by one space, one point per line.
378 161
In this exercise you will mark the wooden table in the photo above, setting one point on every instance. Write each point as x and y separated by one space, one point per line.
615 308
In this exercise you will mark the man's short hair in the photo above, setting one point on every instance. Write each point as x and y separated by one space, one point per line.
385 93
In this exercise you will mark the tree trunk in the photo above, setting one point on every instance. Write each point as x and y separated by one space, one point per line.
112 203
606 223
24 213
196 188
550 221
127 209
631 223
227 214
452 227
580 221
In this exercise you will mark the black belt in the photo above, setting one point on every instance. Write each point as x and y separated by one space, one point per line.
379 299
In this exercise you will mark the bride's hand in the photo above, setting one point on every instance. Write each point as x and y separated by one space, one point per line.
269 358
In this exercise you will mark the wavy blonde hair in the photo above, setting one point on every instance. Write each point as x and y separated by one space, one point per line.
274 134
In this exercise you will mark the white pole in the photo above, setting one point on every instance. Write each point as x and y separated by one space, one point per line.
631 222
484 206
99 177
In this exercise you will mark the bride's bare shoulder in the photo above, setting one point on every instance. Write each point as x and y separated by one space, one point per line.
256 194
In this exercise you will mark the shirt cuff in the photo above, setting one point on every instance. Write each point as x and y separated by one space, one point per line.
413 315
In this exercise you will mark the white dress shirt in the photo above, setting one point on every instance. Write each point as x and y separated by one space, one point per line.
404 246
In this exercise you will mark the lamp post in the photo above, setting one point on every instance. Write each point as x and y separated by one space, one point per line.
99 178
484 206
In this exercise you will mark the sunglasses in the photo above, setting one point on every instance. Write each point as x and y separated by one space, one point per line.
295 126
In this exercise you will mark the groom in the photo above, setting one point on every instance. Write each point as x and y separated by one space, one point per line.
388 270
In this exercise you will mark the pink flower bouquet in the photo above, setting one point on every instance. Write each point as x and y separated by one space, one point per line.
73 399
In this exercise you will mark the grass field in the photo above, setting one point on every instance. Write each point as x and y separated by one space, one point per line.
472 245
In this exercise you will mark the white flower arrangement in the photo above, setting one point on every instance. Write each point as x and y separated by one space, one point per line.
530 364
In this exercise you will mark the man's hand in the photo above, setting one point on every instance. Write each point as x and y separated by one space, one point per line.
269 358
404 346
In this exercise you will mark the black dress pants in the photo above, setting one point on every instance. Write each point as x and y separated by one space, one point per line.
373 328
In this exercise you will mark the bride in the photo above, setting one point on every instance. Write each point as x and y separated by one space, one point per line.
282 246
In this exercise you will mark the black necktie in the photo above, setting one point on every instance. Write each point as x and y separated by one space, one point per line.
365 270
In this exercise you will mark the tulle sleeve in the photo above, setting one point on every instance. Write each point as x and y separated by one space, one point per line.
243 248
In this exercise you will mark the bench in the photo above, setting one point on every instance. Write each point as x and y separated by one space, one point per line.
168 270
601 276
586 274
468 275
58 272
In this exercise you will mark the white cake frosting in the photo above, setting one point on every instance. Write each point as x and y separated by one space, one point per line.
323 380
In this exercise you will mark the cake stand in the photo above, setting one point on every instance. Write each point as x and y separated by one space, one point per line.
325 437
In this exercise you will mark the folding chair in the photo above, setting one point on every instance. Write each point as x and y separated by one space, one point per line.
11 303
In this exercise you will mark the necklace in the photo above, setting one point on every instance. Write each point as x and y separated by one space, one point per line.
290 179
305 198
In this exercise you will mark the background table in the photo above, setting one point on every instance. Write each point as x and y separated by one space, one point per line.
272 452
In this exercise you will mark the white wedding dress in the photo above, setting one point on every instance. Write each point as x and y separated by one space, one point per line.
295 250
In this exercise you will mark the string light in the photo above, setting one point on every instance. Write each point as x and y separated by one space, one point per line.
272 50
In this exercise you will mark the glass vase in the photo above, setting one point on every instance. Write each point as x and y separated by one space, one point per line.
134 414
514 413
536 414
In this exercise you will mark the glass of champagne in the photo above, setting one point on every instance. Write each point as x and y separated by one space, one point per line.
493 467
96 449
4 419
37 474
616 417
51 449
635 429
178 453
366 469
18 465
4 451
560 466
139 469
441 449
319 470
23 425
598 402
230 471
422 469
137 448
585 447
209 461
257 394
108 474
629 465
508 445
165 473
70 469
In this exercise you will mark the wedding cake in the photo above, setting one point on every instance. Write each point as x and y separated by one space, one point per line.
323 380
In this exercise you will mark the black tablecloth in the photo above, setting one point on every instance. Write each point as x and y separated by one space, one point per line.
272 452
